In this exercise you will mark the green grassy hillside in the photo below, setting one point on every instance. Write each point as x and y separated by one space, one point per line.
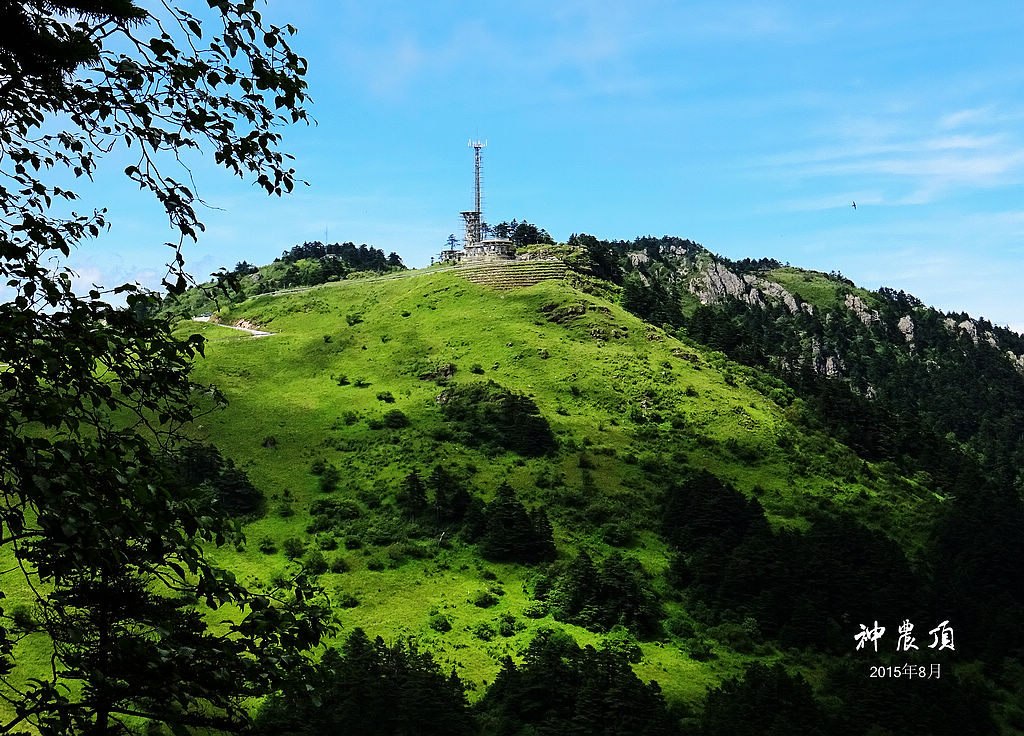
631 409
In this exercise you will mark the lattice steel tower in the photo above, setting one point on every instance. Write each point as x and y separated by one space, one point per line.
473 218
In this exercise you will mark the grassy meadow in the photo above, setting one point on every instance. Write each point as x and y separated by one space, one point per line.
631 407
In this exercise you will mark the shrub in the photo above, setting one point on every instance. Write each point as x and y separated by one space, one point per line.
490 414
293 548
477 369
339 564
485 599
537 609
329 479
621 641
484 631
395 419
202 466
509 625
318 467
267 546
327 542
315 562
376 564
23 618
618 534
386 397
347 600
441 623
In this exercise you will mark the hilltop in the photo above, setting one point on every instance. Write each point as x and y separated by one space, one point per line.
379 422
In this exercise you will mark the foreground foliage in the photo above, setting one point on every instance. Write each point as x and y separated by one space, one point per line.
106 575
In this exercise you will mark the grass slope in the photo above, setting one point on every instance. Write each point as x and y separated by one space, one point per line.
631 407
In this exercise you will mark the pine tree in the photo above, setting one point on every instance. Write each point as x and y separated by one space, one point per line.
412 496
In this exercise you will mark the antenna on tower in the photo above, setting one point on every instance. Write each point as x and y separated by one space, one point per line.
473 218
476 146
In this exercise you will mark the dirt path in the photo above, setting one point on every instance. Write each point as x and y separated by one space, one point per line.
252 331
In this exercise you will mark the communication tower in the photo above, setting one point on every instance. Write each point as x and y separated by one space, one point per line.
473 218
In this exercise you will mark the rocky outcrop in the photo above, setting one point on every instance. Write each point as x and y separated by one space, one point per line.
906 328
635 259
825 365
717 283
970 328
864 313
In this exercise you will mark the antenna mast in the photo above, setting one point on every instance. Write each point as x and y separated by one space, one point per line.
477 146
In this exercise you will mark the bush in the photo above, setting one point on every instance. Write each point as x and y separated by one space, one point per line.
315 562
440 623
23 618
327 542
622 642
509 625
395 419
202 466
490 414
485 599
386 397
293 548
484 631
267 546
376 564
536 609
477 369
618 534
329 479
339 565
347 600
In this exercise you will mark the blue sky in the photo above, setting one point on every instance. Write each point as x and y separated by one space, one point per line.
749 127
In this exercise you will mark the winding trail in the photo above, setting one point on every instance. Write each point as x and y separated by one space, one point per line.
250 330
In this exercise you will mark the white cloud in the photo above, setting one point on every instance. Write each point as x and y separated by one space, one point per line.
908 161
964 117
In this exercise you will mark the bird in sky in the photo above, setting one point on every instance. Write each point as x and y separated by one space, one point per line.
854 205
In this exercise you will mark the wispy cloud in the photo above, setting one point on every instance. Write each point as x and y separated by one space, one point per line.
965 117
904 160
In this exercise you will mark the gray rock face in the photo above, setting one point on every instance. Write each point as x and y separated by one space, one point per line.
637 258
778 292
718 283
864 313
971 328
826 365
906 326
